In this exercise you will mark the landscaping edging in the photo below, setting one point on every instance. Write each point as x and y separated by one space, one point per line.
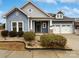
49 49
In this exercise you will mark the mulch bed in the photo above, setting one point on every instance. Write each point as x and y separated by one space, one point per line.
37 46
12 45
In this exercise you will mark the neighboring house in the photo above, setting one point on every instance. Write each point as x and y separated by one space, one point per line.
77 26
31 18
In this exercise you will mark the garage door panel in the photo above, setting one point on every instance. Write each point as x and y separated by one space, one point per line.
62 28
66 29
56 29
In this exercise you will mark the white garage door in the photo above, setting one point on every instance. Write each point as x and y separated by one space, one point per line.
62 28
66 29
56 28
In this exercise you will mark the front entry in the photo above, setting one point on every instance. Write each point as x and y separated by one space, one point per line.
41 26
37 27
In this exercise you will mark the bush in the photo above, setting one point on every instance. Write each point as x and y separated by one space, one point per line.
20 34
12 34
53 41
4 33
29 36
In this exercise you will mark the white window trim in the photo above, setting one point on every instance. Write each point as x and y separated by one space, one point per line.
58 16
17 25
44 24
30 11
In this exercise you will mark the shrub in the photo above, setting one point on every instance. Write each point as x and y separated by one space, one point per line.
4 33
53 41
29 36
20 34
12 34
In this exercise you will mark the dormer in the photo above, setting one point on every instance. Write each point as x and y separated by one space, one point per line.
59 15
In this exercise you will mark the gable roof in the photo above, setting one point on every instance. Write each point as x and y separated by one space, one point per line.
35 7
14 9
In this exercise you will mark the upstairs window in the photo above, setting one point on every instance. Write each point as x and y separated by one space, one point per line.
59 16
30 10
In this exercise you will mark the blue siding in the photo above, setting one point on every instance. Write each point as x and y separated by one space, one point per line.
14 17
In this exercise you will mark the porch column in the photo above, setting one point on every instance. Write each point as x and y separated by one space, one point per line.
50 29
31 26
50 23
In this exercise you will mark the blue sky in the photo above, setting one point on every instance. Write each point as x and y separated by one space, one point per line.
69 7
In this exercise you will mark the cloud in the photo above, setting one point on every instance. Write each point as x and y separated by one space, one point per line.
72 12
48 1
56 1
68 1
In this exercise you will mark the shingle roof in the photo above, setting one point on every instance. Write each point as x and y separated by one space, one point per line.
52 15
60 12
65 18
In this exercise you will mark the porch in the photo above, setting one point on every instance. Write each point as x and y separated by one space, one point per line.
39 26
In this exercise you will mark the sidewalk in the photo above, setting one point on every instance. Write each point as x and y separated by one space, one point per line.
39 54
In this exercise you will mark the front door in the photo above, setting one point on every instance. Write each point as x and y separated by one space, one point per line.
37 27
45 26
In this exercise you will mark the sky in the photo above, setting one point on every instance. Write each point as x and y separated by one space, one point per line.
70 8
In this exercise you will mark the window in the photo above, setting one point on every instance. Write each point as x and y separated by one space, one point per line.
20 26
30 10
14 24
17 26
44 25
59 16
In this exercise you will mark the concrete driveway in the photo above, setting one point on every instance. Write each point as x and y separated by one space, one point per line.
73 42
